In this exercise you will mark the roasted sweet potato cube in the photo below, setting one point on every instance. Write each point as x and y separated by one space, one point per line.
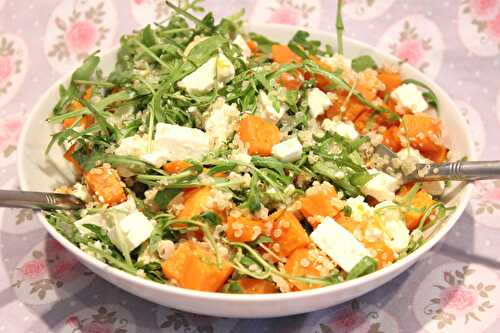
288 234
176 166
256 286
195 267
194 202
243 228
318 204
419 204
106 184
302 264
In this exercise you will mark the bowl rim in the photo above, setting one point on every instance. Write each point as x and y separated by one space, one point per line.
393 269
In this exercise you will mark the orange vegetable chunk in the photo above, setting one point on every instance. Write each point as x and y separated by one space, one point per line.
418 205
259 135
318 204
385 255
391 80
424 133
283 55
106 184
392 139
289 234
243 228
195 267
256 286
68 155
194 202
176 166
300 263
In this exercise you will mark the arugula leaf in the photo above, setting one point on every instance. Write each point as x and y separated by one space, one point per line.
302 46
365 266
253 199
148 36
211 218
205 50
363 62
163 197
263 43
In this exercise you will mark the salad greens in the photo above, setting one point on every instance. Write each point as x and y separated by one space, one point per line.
208 156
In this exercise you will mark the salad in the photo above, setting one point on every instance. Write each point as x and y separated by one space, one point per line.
219 160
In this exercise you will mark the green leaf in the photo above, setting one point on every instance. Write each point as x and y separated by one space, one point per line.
253 200
211 218
365 266
262 239
301 45
148 36
263 42
222 167
363 62
85 71
205 50
163 198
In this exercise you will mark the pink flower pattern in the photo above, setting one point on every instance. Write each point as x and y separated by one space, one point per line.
346 320
484 9
411 50
285 15
10 129
81 36
6 69
458 298
493 29
33 269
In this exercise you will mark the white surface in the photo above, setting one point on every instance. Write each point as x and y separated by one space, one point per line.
288 151
38 172
339 244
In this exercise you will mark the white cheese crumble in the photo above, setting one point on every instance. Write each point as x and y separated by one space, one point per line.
360 210
266 109
382 186
345 129
318 102
202 80
245 50
221 122
409 96
131 231
288 151
225 69
339 244
395 233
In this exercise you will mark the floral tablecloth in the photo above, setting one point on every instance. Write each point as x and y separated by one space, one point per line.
455 288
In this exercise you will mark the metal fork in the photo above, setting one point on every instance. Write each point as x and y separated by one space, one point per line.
459 170
39 200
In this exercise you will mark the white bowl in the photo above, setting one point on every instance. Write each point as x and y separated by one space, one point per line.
40 173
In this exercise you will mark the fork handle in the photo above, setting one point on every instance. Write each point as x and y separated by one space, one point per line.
38 200
460 170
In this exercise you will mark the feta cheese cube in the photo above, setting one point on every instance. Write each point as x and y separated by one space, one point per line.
132 146
202 80
266 110
80 191
106 218
221 122
396 235
345 129
382 186
225 69
288 151
180 143
409 96
388 210
339 244
245 50
318 102
360 210
131 231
